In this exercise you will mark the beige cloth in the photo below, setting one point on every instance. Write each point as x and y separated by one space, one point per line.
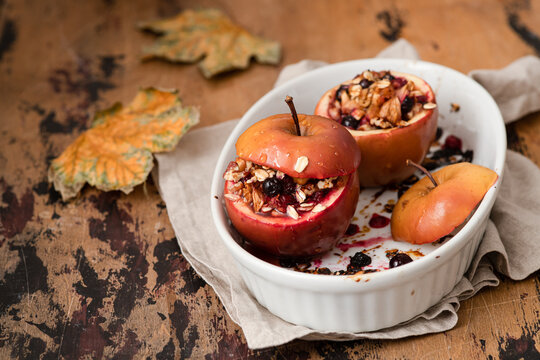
510 245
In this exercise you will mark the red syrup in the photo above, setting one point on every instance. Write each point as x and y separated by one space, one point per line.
364 243
378 221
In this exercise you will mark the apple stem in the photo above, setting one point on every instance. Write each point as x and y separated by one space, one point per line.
289 101
422 169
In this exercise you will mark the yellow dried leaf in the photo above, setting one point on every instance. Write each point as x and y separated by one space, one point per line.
116 152
208 33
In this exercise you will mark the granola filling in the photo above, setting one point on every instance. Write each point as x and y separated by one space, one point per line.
377 100
272 192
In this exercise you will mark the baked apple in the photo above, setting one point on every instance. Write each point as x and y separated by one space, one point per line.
438 203
293 188
391 115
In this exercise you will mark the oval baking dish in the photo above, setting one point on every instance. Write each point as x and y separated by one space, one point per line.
385 298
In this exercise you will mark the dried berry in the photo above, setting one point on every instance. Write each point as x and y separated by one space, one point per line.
353 229
272 187
350 122
359 260
400 259
406 106
452 142
365 83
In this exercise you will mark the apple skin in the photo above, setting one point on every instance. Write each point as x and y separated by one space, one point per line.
273 142
311 234
425 213
385 151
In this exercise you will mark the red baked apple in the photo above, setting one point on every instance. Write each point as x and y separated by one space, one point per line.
293 189
391 115
438 203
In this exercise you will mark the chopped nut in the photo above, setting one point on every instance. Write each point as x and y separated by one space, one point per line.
241 164
325 184
368 75
280 175
301 164
391 110
292 212
260 174
305 207
318 208
300 196
249 164
266 209
429 106
232 197
258 199
383 84
355 91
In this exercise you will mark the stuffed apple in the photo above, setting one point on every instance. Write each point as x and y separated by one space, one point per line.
391 115
293 187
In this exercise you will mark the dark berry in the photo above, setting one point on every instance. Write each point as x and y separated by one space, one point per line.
378 221
468 156
439 133
350 122
406 106
272 186
289 186
400 259
340 90
365 83
452 142
360 260
389 76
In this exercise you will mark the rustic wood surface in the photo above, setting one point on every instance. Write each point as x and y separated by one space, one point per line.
102 275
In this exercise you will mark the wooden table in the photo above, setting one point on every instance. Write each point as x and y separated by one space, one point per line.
102 275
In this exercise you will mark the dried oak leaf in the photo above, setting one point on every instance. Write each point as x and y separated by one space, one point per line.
208 33
116 152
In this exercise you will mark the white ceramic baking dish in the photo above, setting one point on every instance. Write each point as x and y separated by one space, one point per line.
385 298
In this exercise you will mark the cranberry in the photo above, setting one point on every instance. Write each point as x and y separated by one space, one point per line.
352 230
452 142
406 106
378 221
272 187
365 83
350 122
422 99
289 186
364 120
400 259
398 82
318 196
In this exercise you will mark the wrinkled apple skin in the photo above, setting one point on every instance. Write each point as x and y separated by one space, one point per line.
311 234
384 152
273 142
425 213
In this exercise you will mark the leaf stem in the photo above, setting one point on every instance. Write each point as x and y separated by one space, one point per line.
422 169
289 101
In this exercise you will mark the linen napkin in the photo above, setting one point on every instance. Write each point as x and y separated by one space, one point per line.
509 245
